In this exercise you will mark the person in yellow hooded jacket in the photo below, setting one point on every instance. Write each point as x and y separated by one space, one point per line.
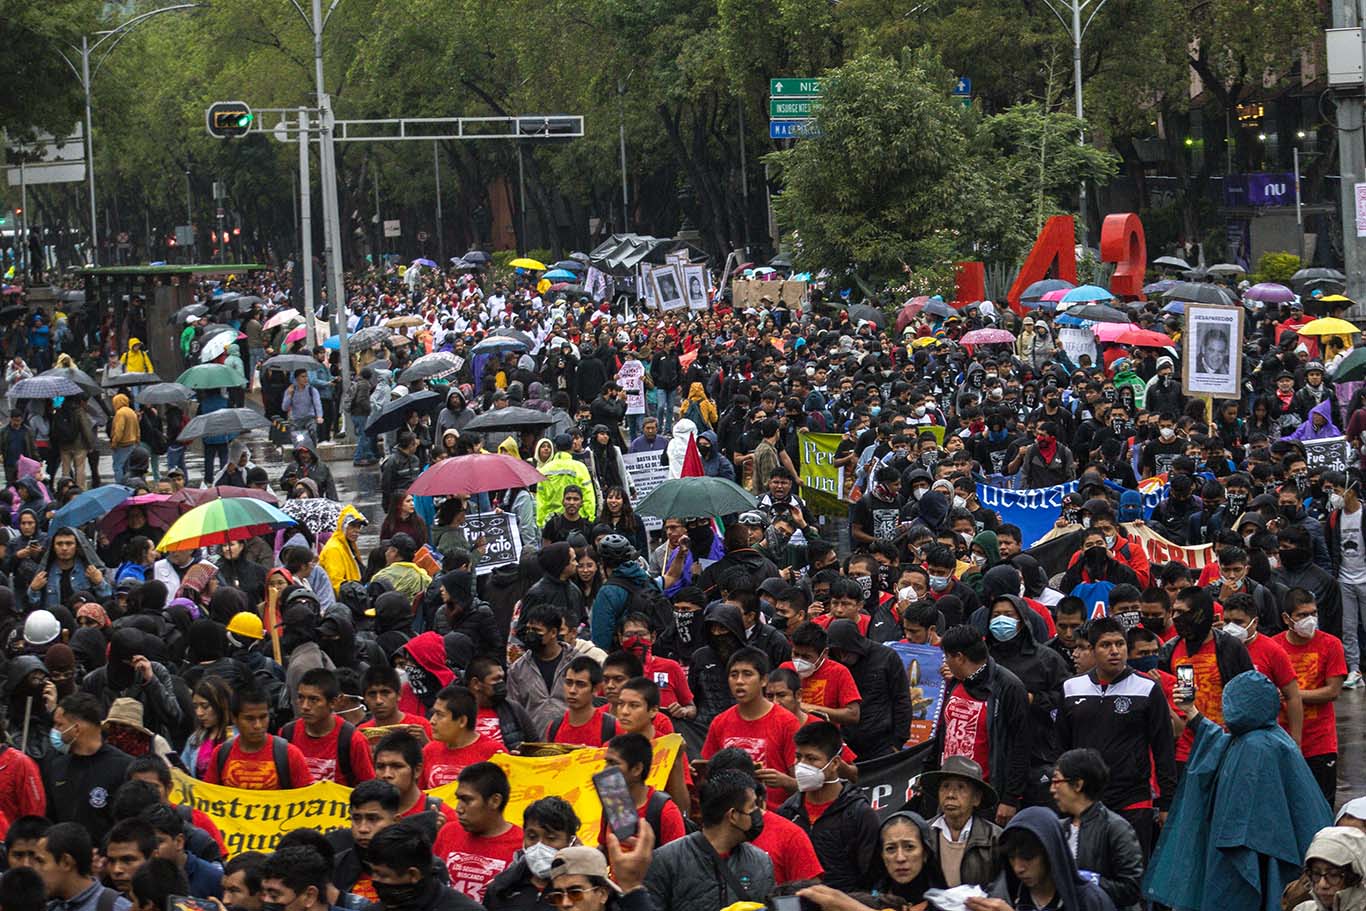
124 433
563 470
135 359
340 557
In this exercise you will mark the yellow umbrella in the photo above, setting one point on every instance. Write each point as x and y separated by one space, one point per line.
1335 299
925 342
524 263
1328 325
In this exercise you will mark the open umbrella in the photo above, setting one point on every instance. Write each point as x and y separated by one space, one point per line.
477 256
288 362
470 474
158 508
570 265
79 377
165 394
423 261
44 387
1198 293
938 308
437 365
1269 292
685 498
1177 307
510 418
284 316
211 376
1145 338
1226 269
130 379
90 505
188 497
216 346
1173 262
499 343
860 312
1098 313
1317 274
391 416
1160 286
223 520
560 275
523 262
987 337
1328 325
1087 294
517 334
193 311
369 337
1351 367
1035 292
223 422
317 514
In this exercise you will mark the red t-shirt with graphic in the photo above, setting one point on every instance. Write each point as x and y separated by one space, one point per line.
965 730
1270 660
671 679
488 725
588 734
1314 662
1209 689
767 740
321 755
442 764
256 771
830 685
472 861
824 621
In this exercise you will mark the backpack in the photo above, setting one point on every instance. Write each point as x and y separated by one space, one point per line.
279 753
609 728
694 414
650 600
344 738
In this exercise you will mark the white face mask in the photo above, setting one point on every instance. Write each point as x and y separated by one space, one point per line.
809 778
1167 433
1236 631
906 594
1335 501
918 492
1305 627
962 504
539 858
1110 541
804 668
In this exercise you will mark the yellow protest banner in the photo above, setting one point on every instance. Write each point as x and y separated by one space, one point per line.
255 820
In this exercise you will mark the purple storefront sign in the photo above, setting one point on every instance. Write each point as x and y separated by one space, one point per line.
1259 189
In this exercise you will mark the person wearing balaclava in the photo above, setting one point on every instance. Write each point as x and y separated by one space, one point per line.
724 634
1299 570
130 673
1193 617
461 613
558 564
29 694
393 612
60 661
1095 564
208 654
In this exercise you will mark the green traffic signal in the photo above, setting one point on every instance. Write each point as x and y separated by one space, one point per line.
244 120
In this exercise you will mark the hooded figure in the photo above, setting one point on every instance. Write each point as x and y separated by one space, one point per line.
934 511
698 408
315 469
22 690
393 613
339 558
561 471
162 710
1341 847
427 672
565 595
715 463
1074 891
60 584
881 677
990 546
929 877
135 359
1221 848
455 415
707 673
1319 425
677 450
234 473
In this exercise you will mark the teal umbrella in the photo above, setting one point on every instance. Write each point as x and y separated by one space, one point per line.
211 376
1351 367
684 498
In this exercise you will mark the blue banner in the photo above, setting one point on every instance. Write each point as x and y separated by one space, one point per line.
1036 510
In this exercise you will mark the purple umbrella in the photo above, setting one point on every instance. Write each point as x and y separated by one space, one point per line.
1269 292
425 262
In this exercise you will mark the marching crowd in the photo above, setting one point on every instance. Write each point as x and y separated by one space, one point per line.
1109 732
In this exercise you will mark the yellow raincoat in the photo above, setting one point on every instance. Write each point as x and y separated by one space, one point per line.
337 559
135 359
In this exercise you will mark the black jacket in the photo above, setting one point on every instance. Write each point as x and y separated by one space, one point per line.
1325 588
885 716
513 890
845 837
707 673
439 897
1042 671
1008 733
748 559
567 596
1108 847
771 642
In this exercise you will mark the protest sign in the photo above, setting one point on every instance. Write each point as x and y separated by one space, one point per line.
1213 342
927 687
255 820
822 481
1076 342
1034 510
888 781
499 529
631 378
1160 550
1333 453
647 471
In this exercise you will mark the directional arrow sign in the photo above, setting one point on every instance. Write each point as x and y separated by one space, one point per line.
963 86
792 129
796 87
790 108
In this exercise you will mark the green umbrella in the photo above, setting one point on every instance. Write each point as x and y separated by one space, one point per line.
681 498
1351 367
211 376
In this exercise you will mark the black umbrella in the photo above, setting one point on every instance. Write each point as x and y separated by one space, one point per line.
510 418
391 416
130 379
79 377
871 314
1098 313
519 335
1174 262
781 261
1198 293
224 422
436 365
288 362
165 394
477 256
193 311
570 265
1317 272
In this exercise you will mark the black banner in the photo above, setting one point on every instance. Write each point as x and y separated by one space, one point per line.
1054 554
1333 453
886 781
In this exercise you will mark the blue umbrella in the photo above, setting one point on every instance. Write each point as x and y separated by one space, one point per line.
333 343
1174 307
1087 294
560 275
90 505
425 262
937 307
499 343
1067 319
1160 287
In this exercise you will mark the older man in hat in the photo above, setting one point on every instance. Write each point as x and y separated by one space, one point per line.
965 839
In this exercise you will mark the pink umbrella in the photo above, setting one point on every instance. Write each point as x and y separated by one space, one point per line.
1110 332
1054 296
297 334
189 497
282 317
469 474
910 311
158 509
987 337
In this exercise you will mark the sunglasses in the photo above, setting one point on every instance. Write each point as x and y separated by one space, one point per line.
573 895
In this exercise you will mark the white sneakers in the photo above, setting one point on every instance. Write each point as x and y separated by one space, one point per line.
1353 681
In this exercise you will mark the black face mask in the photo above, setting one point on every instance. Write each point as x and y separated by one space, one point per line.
1194 628
1154 624
1097 560
1235 503
1296 557
498 693
756 825
398 897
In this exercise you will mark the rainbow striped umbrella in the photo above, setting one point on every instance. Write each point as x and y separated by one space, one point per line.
218 521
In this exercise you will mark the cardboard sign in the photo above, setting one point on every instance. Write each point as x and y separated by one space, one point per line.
647 471
1333 453
500 531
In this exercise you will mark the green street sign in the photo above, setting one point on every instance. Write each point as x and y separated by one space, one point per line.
964 102
787 109
796 87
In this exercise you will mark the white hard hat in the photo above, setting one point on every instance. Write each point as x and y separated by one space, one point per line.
41 627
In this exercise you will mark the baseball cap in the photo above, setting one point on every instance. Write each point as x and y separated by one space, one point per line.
582 861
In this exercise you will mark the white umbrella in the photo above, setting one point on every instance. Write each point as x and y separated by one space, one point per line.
282 317
216 346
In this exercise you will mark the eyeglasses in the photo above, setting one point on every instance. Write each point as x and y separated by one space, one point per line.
1333 877
574 894
1056 780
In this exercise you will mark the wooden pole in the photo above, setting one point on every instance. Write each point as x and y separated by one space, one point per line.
271 622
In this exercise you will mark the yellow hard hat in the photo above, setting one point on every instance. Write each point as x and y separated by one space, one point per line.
247 624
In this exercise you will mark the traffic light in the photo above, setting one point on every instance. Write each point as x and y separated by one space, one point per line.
226 119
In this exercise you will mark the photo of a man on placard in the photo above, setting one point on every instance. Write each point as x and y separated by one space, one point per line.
1211 350
1213 343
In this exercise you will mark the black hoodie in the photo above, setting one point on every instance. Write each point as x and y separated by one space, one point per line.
1074 892
885 717
707 674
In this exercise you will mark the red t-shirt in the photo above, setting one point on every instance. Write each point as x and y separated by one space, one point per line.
1270 660
417 809
824 621
965 729
321 755
488 725
830 685
664 725
670 821
442 764
256 771
671 679
1209 689
767 740
588 734
789 846
408 718
21 787
1314 662
471 861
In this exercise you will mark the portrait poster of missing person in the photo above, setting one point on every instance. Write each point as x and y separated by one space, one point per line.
1212 351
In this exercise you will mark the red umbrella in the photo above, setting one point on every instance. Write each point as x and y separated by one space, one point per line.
464 475
157 507
909 311
190 497
1145 338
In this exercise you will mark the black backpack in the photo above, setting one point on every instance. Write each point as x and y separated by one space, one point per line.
609 728
344 737
279 753
649 600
